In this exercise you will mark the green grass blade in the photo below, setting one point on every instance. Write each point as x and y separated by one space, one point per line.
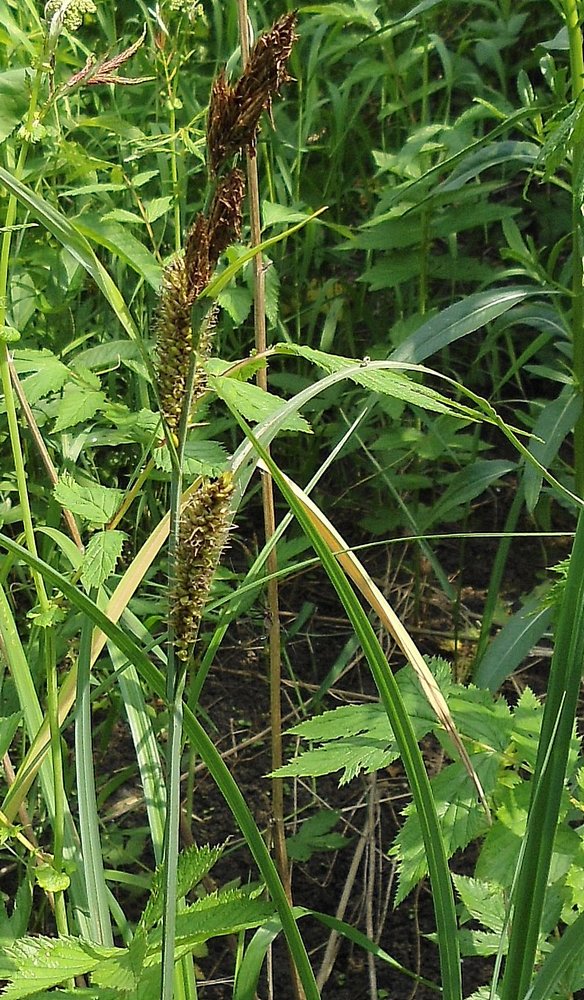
92 870
568 951
548 782
255 953
201 743
73 241
442 891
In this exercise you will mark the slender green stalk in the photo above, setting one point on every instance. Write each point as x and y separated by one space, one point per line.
573 17
202 743
409 751
47 645
548 782
97 897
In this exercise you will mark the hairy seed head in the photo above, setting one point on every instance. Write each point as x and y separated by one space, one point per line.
204 527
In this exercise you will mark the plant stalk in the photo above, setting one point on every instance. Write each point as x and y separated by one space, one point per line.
572 16
274 635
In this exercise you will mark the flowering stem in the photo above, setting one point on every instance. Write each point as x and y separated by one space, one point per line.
274 634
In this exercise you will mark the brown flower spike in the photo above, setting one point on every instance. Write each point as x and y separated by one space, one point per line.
234 111
204 528
182 282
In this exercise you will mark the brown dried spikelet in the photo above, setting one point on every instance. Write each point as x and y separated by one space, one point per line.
183 281
225 216
234 111
204 528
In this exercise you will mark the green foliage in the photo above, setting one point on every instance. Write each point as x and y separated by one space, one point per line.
33 965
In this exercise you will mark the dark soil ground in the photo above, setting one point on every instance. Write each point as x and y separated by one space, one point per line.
236 700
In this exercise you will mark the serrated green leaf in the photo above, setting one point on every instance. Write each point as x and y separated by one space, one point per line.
43 962
122 971
49 376
237 302
461 818
215 915
157 207
201 458
77 405
101 556
316 834
96 504
485 901
253 403
193 864
351 755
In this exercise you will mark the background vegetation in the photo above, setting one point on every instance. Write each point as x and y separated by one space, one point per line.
420 180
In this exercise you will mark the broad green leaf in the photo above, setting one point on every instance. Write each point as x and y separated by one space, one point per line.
14 98
96 504
101 556
157 207
77 405
316 834
193 864
120 241
51 880
464 486
461 819
43 962
553 424
226 912
49 374
457 321
485 901
513 643
253 403
201 458
237 302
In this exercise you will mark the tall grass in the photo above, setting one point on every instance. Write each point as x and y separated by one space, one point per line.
451 236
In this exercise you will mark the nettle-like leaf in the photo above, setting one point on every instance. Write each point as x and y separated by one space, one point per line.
96 504
40 963
48 374
462 819
254 403
201 458
358 738
77 405
316 834
193 864
483 901
225 912
101 556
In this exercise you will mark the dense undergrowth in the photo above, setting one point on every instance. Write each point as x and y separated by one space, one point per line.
344 252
